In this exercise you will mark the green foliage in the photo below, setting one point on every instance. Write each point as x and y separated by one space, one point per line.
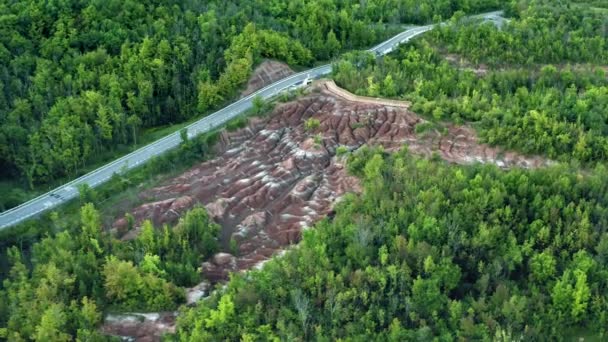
234 248
431 251
83 80
559 111
318 139
423 127
131 288
175 254
267 43
341 150
312 124
59 292
183 134
208 96
51 325
87 194
12 198
259 105
543 32
427 252
236 124
356 125
373 89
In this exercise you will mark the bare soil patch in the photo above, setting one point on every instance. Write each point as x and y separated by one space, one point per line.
462 63
274 178
148 327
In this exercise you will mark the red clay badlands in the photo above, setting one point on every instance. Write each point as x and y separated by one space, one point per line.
274 178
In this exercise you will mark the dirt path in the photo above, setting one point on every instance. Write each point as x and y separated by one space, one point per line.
331 86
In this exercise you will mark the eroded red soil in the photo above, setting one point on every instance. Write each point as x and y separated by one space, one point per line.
274 178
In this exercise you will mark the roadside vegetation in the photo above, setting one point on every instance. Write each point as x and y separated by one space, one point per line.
84 82
148 273
70 270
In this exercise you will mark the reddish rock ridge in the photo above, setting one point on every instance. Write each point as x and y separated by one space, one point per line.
266 73
274 178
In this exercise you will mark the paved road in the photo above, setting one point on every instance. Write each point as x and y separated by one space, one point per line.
68 191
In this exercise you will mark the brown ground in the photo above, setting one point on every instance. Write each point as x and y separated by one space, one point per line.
274 178
266 73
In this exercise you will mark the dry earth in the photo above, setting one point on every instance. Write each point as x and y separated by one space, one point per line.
140 327
274 178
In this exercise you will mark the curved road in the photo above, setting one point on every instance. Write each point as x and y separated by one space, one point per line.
94 178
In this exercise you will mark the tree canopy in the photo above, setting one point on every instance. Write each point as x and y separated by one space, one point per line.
60 291
428 250
431 250
546 103
80 81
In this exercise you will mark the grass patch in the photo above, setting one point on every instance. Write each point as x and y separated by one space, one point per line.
236 124
341 150
357 125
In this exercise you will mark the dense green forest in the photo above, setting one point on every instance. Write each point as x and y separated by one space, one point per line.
69 279
82 80
431 250
545 32
527 102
